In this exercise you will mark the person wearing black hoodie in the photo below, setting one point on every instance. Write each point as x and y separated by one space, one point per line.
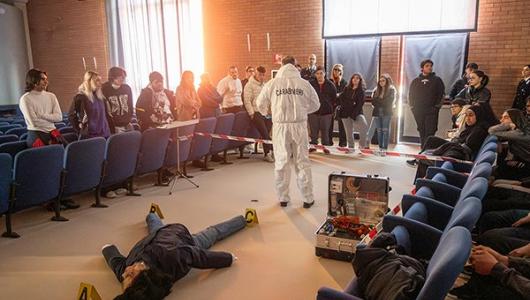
153 107
523 90
118 97
426 93
167 254
320 120
476 91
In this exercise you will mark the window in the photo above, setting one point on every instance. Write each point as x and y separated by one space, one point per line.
357 55
377 17
161 35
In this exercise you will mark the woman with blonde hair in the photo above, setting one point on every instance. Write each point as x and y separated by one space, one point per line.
88 114
187 102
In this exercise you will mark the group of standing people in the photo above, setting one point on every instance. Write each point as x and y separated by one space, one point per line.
343 101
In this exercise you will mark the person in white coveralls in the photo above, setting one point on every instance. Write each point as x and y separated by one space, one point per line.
290 99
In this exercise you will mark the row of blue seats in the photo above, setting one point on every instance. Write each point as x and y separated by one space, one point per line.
19 129
39 175
436 223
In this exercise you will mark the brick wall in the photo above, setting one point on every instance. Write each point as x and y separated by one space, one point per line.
62 32
501 47
294 28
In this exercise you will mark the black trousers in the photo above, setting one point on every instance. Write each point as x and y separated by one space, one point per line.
264 126
503 199
495 230
342 134
427 124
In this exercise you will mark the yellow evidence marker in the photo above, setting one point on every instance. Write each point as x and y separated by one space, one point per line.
156 209
252 216
87 292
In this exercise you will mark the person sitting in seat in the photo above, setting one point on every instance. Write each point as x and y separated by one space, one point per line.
166 255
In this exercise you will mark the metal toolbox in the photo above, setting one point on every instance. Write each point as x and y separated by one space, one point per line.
356 204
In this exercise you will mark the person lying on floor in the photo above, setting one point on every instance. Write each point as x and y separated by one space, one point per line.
497 276
166 255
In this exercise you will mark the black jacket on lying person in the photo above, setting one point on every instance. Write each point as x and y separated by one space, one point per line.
172 250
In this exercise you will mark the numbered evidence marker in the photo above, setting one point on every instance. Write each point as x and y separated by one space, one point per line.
251 216
87 292
156 209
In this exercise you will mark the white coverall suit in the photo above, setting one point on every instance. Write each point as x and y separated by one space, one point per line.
290 99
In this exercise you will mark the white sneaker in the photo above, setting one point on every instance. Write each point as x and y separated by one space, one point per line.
111 195
121 191
268 158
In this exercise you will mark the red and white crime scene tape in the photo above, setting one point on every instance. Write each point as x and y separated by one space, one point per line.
341 149
370 236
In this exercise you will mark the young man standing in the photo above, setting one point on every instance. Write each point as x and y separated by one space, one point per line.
262 124
290 99
119 100
40 108
426 93
231 89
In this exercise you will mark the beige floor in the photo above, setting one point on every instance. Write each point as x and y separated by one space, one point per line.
276 258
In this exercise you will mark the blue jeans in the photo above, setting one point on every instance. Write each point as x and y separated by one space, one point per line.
382 125
207 237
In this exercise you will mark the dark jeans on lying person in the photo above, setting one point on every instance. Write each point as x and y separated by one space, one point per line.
33 135
319 123
264 126
207 237
502 199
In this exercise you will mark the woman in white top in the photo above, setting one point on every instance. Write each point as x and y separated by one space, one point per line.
40 108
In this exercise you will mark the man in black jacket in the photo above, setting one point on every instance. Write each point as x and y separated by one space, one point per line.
425 99
523 90
166 255
153 107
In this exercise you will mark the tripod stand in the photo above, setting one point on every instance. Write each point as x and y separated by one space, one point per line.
177 125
